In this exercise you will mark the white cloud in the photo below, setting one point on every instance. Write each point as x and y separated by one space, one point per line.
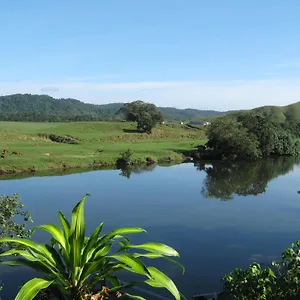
220 95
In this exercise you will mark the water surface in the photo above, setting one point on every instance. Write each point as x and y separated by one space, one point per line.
218 216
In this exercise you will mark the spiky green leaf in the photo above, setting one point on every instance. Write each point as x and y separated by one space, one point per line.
159 279
55 231
155 248
31 288
133 263
77 234
91 244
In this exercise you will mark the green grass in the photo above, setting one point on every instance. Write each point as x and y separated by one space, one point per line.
100 143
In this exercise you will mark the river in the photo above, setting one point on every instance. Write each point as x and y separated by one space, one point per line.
218 216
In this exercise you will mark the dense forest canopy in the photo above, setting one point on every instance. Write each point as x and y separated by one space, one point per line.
42 108
250 136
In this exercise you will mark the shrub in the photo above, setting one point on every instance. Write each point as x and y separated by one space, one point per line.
65 139
277 283
75 266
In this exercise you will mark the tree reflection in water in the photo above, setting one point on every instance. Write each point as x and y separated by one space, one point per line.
224 179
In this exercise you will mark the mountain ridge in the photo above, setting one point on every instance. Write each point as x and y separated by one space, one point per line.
45 105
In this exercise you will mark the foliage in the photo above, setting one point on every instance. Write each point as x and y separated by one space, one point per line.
74 265
276 283
11 208
126 155
229 139
66 139
147 115
43 108
250 136
293 127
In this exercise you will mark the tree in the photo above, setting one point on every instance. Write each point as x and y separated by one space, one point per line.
229 139
147 115
249 137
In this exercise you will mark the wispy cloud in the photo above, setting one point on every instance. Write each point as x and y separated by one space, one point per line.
221 95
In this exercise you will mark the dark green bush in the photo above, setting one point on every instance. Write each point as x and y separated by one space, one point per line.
65 139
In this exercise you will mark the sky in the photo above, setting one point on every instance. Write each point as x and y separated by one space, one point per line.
205 54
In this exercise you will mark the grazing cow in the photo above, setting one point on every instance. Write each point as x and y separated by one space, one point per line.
5 151
14 152
3 156
20 153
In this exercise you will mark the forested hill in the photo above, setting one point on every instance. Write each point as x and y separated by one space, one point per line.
28 107
281 113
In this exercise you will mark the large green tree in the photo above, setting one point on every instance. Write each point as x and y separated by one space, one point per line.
248 137
147 115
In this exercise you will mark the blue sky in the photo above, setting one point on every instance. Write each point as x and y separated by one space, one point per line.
184 53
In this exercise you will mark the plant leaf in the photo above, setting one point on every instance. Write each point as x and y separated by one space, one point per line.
77 236
134 264
155 248
39 249
55 231
90 246
23 253
120 231
129 296
31 288
156 255
159 279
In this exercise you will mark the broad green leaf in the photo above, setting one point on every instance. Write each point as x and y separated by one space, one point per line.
134 297
129 296
133 263
121 231
55 231
35 247
91 267
113 280
155 255
66 231
102 251
156 248
31 288
124 286
159 279
91 244
39 266
65 224
22 253
77 235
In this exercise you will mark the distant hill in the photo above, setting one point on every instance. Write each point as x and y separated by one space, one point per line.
28 107
281 114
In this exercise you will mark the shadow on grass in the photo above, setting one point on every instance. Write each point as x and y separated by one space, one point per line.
132 131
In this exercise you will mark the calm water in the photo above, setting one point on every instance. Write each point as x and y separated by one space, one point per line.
217 216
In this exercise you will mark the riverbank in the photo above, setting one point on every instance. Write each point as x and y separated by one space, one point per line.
39 147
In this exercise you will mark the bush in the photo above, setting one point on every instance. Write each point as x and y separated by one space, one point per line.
249 137
126 155
65 139
279 282
77 267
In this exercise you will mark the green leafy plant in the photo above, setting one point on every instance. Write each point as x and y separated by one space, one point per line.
281 282
126 155
78 267
10 209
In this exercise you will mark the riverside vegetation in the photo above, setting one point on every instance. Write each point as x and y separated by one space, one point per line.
50 146
77 267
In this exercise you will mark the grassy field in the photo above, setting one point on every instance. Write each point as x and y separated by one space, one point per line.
100 144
